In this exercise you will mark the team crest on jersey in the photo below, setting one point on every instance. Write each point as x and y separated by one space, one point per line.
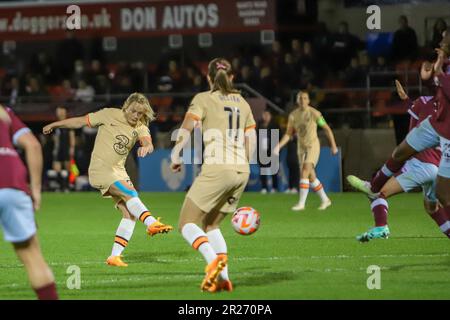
120 146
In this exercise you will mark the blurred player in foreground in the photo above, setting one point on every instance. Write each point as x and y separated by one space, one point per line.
432 132
304 121
419 171
118 131
18 200
230 138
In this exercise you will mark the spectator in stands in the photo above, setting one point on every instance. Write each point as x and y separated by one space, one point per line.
379 79
296 50
198 84
137 76
33 87
344 46
84 93
69 51
276 56
256 67
267 87
97 77
175 74
236 64
11 88
354 75
265 147
246 76
322 43
404 44
62 93
163 104
79 71
42 66
439 26
289 72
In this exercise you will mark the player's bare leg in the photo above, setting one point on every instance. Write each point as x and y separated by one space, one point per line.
211 224
126 192
191 217
39 273
400 155
123 235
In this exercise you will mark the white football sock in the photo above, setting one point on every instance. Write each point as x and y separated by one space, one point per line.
219 245
318 188
140 211
123 235
197 238
304 189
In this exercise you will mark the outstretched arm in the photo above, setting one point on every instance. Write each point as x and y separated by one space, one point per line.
70 123
330 137
287 136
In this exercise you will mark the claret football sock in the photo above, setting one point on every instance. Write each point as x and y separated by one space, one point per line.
198 239
123 236
441 219
219 245
140 211
47 292
380 210
382 176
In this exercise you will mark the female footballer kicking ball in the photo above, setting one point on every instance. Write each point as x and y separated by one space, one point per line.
118 131
229 137
304 121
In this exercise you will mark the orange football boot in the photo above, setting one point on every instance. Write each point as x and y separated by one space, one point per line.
116 261
158 227
212 272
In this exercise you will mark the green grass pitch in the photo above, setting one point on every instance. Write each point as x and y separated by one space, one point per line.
307 255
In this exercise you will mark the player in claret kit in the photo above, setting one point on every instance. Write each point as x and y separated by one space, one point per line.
303 121
419 171
118 131
229 135
18 200
432 132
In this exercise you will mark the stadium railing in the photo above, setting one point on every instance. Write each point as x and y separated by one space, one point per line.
362 107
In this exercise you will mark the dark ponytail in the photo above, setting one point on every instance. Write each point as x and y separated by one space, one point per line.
219 71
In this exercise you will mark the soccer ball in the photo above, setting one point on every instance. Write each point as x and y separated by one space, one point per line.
245 220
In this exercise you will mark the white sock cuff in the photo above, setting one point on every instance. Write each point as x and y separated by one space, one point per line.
304 181
127 223
126 228
378 202
386 171
192 232
217 241
315 183
136 207
445 227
